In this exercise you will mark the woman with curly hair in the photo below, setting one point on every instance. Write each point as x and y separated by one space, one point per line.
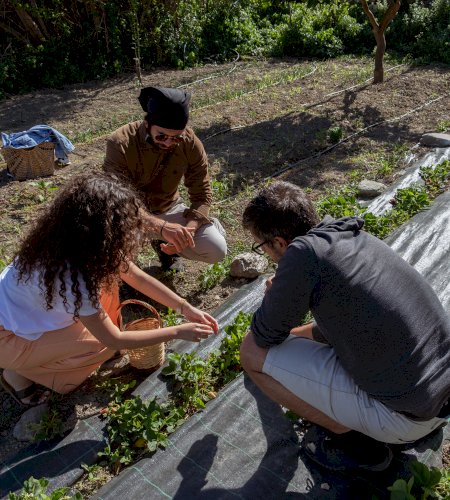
59 296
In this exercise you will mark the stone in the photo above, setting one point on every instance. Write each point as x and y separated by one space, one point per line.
25 429
435 139
370 189
115 366
248 265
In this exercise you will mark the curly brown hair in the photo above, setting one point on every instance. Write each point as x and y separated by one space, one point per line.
91 229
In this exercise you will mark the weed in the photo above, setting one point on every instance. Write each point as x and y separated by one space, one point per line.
3 264
170 318
424 483
221 188
37 489
443 126
335 134
91 471
44 190
50 426
321 137
214 273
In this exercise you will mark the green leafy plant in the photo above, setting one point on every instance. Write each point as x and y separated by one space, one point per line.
443 126
221 188
425 482
45 188
135 427
436 179
36 489
91 471
213 274
50 426
226 361
171 318
193 380
335 134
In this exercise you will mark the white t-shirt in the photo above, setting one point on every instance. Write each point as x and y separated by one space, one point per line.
23 307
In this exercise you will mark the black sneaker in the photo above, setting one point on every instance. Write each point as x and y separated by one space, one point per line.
351 451
168 262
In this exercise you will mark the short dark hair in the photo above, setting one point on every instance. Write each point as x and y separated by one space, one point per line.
281 209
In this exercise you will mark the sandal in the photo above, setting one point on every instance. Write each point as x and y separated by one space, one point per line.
32 390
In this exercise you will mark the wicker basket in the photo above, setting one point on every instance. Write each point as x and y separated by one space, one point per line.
29 163
144 358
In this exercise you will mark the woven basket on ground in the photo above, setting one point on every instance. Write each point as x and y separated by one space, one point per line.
152 356
29 163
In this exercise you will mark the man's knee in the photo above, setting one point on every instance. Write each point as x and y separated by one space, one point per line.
252 356
211 250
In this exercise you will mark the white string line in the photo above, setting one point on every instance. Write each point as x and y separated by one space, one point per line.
215 75
244 94
305 105
320 153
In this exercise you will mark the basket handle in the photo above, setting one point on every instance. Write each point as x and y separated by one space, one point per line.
139 303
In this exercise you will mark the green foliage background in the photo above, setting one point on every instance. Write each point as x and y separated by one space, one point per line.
54 42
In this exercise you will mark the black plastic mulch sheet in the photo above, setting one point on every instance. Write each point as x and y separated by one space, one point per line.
242 445
59 460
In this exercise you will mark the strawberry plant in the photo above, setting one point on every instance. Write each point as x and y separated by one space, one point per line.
424 483
135 427
36 489
226 361
192 380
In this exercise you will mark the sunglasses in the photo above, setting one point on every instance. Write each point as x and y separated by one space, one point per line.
256 247
173 138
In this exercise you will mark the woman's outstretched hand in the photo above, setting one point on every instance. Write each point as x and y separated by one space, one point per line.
193 314
194 332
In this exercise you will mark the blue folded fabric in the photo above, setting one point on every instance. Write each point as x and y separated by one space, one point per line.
36 135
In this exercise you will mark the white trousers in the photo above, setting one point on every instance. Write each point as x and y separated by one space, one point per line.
313 373
210 244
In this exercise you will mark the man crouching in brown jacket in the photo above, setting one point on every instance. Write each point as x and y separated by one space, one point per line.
154 155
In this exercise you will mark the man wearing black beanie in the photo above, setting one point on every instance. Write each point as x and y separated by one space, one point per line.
154 155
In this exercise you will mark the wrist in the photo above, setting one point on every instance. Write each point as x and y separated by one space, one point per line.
161 229
182 306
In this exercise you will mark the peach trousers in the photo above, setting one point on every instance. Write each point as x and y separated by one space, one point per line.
60 359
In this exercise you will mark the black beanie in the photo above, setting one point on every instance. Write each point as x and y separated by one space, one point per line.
168 108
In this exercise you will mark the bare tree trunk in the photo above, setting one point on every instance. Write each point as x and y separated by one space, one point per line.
30 26
378 30
39 19
378 73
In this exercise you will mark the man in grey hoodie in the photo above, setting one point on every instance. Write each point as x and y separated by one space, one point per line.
374 366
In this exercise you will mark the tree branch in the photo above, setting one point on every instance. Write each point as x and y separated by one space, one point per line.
390 14
370 15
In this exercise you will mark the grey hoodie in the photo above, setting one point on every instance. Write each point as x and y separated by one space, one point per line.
384 321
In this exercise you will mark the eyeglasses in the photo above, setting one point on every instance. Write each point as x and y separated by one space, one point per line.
256 247
173 138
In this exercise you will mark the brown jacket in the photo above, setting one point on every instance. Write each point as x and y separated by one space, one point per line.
156 174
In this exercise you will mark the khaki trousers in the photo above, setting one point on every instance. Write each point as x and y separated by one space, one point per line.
60 359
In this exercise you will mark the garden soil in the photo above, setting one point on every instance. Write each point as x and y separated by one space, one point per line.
257 118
